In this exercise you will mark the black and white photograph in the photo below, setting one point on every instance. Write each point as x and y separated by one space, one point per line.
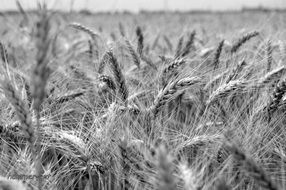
142 94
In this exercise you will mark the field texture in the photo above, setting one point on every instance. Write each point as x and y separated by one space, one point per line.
165 101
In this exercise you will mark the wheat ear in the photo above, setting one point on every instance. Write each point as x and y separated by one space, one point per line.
217 54
278 94
133 53
233 75
21 109
235 47
140 42
186 50
171 91
85 29
225 89
119 78
179 46
269 77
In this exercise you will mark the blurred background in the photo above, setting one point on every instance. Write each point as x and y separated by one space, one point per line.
137 5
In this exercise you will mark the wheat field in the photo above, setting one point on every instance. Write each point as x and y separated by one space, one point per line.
167 101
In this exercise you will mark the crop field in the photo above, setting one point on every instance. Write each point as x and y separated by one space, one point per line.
121 101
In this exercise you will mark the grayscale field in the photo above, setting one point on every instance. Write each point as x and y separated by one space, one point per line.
154 100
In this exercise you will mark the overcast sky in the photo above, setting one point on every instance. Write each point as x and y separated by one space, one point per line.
135 5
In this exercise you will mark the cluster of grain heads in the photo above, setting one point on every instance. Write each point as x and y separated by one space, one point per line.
217 55
235 72
251 167
270 77
235 47
226 89
171 91
189 44
119 78
170 70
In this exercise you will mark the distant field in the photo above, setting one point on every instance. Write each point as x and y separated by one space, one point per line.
187 101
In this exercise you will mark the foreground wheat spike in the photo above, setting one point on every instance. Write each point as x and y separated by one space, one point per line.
225 89
217 54
233 75
252 168
22 111
189 44
278 94
235 47
119 78
140 42
133 53
171 91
